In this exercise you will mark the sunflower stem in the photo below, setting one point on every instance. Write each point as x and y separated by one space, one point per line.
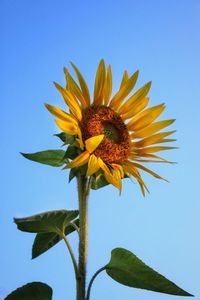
83 194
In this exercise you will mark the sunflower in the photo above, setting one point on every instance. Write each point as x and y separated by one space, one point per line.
115 134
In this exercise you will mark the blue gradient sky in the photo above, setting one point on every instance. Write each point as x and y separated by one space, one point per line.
161 39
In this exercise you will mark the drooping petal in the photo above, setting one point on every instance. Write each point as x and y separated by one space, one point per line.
61 114
68 127
70 101
80 160
93 165
152 128
137 107
79 139
124 78
74 88
92 143
130 170
99 83
145 118
147 170
154 139
108 86
109 176
123 92
117 177
119 168
118 174
140 94
83 84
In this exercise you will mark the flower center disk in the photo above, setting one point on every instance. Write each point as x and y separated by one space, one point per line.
115 147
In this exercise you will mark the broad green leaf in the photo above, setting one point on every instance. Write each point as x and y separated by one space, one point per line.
98 181
51 221
32 291
55 158
66 138
45 241
127 269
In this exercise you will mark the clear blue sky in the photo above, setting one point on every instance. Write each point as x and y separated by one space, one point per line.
161 39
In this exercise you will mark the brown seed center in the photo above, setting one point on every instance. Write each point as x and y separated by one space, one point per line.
115 147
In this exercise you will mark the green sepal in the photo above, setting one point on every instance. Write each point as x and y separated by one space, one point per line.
125 268
98 181
66 138
52 221
32 291
44 241
73 173
54 158
72 152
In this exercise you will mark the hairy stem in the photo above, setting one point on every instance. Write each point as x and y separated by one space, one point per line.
83 193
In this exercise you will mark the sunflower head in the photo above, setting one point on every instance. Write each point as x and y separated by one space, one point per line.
112 135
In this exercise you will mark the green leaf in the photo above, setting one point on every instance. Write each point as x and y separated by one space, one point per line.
32 291
127 269
45 241
98 181
55 158
51 221
66 138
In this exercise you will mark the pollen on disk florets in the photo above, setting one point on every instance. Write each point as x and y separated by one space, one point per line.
96 120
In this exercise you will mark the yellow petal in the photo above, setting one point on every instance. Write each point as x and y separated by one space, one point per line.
93 165
108 86
153 139
123 92
118 174
145 118
140 94
68 127
61 114
137 107
79 139
151 161
74 88
124 78
148 171
70 101
118 180
99 83
92 143
166 141
157 158
119 168
130 170
65 72
80 160
109 176
83 85
152 128
154 149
